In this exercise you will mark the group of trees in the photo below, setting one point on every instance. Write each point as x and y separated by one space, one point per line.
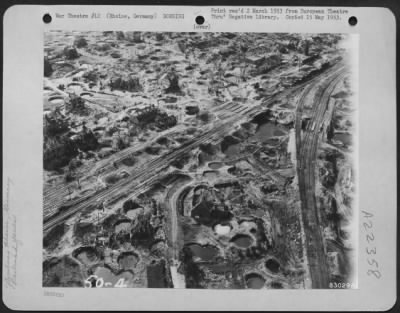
143 232
208 213
153 115
193 273
86 140
329 180
75 104
58 147
54 124
57 152
131 84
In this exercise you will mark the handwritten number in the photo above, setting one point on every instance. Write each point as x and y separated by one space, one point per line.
88 282
367 225
367 215
121 283
99 283
372 251
376 273
372 262
369 238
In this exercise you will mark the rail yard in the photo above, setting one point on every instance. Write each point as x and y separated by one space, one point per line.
198 160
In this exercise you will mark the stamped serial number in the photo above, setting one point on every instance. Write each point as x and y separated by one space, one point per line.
334 285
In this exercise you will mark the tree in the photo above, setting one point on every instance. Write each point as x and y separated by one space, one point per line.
306 47
70 53
48 69
80 42
72 171
173 80
137 37
75 103
57 152
54 124
159 36
204 116
120 35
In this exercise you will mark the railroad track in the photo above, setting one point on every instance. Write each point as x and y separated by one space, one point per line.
144 175
306 155
135 182
53 196
142 178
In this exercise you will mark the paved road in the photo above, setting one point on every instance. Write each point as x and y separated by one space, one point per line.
319 95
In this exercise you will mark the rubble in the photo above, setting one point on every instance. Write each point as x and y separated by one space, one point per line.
170 158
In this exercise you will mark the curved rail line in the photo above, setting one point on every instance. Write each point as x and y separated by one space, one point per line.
306 155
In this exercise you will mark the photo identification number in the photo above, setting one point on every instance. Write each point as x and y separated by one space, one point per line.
98 282
371 249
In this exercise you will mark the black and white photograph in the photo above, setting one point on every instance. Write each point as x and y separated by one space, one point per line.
213 160
199 158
